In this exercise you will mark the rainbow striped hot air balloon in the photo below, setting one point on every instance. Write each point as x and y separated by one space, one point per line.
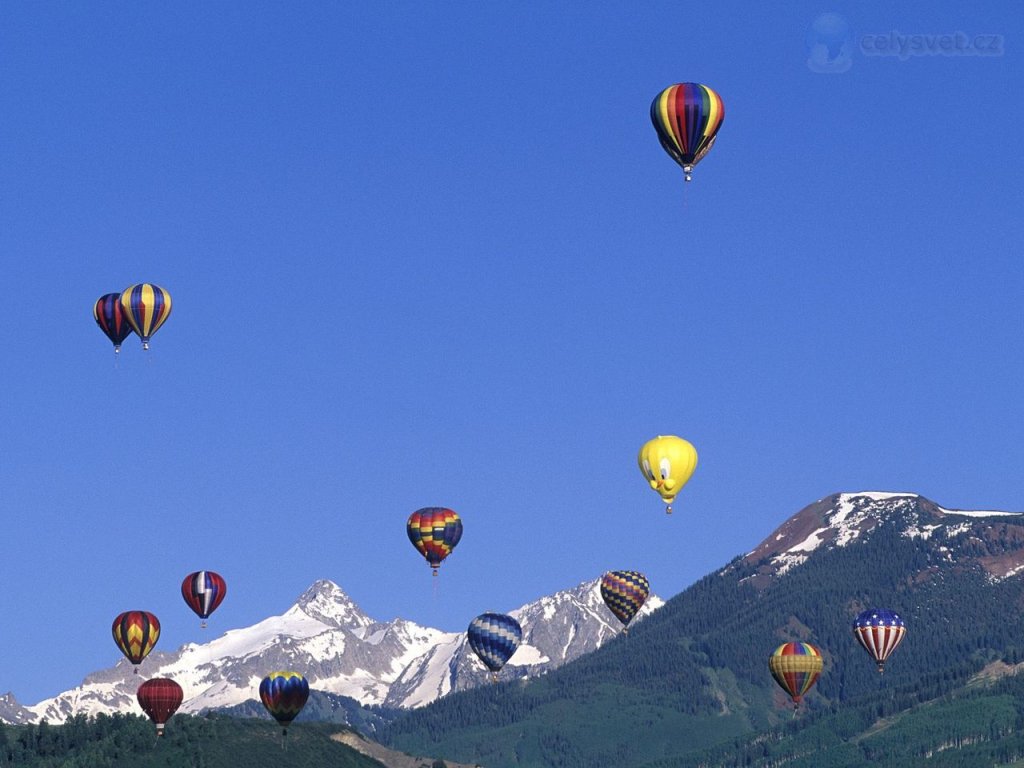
879 632
147 307
494 638
135 633
624 592
796 668
284 695
434 531
687 117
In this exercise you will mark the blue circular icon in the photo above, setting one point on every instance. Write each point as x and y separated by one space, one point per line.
829 44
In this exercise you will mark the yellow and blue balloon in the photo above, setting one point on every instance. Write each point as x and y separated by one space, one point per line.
146 307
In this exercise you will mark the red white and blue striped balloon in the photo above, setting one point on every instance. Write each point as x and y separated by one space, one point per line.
494 637
203 592
879 631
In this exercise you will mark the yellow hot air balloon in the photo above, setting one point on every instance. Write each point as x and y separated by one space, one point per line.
667 462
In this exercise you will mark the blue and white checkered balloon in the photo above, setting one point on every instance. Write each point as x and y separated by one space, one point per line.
494 637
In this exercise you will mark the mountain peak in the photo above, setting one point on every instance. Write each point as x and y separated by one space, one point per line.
843 518
327 602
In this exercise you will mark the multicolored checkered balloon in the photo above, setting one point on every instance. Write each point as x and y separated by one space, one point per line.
434 531
624 592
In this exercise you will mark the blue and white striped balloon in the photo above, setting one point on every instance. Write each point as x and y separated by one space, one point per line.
494 637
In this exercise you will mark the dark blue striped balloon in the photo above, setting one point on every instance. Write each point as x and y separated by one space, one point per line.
494 637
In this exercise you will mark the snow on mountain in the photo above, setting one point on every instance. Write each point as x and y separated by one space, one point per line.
340 650
843 519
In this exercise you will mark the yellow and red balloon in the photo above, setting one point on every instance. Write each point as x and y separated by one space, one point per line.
434 531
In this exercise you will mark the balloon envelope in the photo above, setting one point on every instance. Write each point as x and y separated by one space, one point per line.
110 317
135 633
667 463
624 592
494 637
147 307
879 631
160 698
796 667
284 695
686 117
203 592
434 531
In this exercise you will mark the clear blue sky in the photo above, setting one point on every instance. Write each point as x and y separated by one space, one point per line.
432 254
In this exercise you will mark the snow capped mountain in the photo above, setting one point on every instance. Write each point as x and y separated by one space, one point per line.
341 650
993 539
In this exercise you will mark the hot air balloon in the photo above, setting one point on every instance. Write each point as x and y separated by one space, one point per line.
111 319
494 637
203 591
624 592
147 307
879 631
796 667
687 117
284 695
160 698
434 531
135 633
667 462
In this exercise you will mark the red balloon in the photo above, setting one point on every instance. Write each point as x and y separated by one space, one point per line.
203 592
160 698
